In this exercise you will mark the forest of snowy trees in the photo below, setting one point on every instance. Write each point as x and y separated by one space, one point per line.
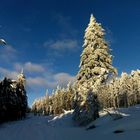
97 84
123 91
60 100
13 99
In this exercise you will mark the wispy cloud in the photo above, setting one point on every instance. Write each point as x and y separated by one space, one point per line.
8 53
62 45
36 82
37 77
29 67
65 24
63 79
51 81
47 80
8 73
67 39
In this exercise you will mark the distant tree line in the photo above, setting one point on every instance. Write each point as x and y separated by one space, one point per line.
123 91
13 99
56 103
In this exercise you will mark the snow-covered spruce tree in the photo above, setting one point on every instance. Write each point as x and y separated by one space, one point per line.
135 76
69 97
13 99
21 93
95 65
125 90
46 104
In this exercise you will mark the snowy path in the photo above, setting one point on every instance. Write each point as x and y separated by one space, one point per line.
37 128
62 128
33 128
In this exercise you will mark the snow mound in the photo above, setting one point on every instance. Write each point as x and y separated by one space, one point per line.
62 120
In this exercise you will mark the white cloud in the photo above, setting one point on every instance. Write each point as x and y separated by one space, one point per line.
62 45
7 73
40 81
67 39
61 79
8 53
36 81
33 67
30 67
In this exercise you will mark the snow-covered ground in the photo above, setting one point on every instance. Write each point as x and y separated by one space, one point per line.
63 128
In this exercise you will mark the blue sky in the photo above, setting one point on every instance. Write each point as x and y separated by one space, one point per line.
45 38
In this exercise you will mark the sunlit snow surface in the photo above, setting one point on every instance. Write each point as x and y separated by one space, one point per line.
62 127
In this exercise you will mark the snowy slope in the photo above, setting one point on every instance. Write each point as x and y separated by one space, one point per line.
62 128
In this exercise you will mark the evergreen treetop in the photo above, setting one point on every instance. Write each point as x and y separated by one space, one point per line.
96 60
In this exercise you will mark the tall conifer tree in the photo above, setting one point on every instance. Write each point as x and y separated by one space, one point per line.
95 68
96 61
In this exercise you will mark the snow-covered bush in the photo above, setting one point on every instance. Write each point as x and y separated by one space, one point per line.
88 110
115 115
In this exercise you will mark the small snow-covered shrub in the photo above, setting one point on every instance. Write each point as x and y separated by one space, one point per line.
115 115
88 110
